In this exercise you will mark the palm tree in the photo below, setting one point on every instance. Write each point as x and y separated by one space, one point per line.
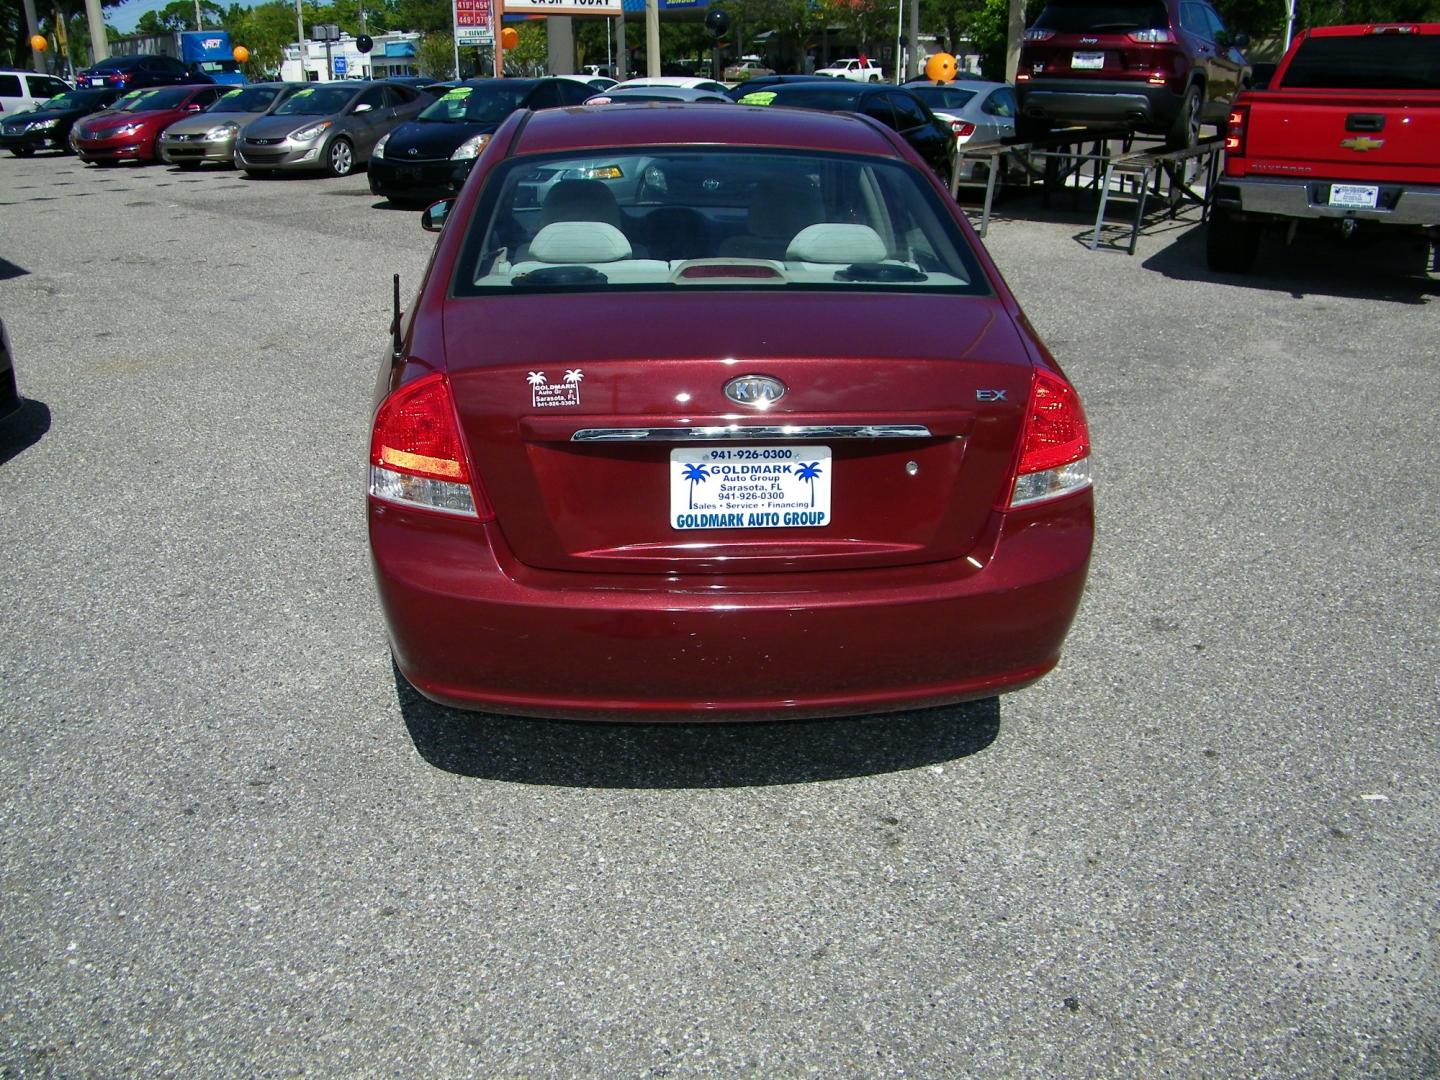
808 472
696 474
573 376
536 378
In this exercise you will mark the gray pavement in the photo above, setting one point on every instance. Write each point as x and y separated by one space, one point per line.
1206 846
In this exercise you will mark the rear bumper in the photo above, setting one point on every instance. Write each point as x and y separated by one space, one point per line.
1095 101
472 628
1399 204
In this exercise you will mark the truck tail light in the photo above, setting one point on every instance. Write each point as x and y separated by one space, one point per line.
1055 445
416 456
1039 35
1152 36
1235 130
961 130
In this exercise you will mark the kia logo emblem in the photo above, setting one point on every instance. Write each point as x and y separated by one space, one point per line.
756 391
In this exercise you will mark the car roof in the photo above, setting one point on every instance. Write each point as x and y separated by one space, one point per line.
699 124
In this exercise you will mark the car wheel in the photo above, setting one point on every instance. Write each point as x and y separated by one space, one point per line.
22 151
188 166
874 78
340 158
1231 245
1184 132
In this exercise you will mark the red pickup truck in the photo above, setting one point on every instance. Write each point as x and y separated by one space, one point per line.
1347 134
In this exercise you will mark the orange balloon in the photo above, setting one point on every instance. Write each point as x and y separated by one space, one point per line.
241 54
940 67
509 37
38 43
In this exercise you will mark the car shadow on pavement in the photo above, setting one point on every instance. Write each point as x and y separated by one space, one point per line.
1367 267
597 755
23 430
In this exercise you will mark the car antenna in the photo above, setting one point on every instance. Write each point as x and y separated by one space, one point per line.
397 348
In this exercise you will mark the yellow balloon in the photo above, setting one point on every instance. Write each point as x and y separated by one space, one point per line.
38 43
241 54
940 67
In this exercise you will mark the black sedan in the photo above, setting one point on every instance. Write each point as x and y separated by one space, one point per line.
766 82
429 157
47 127
894 106
139 72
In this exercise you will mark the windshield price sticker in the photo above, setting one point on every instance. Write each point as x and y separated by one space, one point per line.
750 487
458 93
1357 196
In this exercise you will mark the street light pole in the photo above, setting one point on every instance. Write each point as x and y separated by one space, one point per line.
300 39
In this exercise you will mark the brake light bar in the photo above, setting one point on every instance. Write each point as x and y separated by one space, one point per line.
1395 29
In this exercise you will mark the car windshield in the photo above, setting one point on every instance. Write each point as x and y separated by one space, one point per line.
78 99
146 100
705 218
832 96
942 97
316 101
1372 62
249 99
477 104
1086 16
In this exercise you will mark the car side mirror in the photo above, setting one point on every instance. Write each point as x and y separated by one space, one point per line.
363 108
192 107
433 219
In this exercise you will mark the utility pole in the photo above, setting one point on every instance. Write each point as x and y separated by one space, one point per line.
99 43
622 57
1013 38
652 38
33 22
917 58
199 19
300 39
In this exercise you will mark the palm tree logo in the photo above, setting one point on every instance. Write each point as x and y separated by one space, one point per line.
536 378
573 376
696 474
808 472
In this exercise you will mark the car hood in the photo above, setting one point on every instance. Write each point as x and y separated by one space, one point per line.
277 127
432 138
199 124
43 114
108 118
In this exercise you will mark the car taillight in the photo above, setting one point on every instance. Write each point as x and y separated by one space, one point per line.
1039 35
1055 447
1235 130
961 130
416 457
1152 36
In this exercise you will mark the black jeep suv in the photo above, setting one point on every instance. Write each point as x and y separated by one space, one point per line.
1157 66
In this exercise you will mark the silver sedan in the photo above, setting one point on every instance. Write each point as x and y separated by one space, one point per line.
978 113
326 126
210 136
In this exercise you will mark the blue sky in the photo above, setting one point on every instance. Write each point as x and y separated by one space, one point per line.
124 16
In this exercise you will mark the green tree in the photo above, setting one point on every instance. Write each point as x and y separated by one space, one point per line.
179 15
435 56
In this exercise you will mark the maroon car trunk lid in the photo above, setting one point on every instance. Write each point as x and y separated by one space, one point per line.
905 407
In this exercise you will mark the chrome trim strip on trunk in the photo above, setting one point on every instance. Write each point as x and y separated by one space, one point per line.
741 432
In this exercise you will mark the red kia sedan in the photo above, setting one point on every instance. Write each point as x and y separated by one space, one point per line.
719 414
129 129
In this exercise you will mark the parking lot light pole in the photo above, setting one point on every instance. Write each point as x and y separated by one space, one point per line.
652 38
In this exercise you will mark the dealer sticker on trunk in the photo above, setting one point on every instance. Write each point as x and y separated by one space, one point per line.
750 487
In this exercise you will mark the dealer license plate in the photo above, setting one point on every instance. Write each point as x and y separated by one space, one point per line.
1087 61
1354 196
750 487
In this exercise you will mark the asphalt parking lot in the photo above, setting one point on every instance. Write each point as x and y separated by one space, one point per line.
1207 845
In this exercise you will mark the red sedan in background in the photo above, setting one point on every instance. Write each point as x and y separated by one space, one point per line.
720 414
130 128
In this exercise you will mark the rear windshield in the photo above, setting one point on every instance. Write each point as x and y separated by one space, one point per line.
668 219
145 100
830 96
1079 17
1372 62
315 101
942 97
477 104
249 99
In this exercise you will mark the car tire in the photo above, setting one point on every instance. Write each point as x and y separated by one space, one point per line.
1184 131
874 78
188 166
22 151
340 157
1231 244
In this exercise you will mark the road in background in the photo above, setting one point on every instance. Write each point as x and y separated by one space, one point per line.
1207 845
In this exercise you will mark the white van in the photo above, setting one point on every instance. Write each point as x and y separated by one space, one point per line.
22 90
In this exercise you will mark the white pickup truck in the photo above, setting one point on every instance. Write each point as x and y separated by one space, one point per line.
855 70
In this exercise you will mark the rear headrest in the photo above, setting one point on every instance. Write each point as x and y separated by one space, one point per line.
580 200
832 242
579 242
